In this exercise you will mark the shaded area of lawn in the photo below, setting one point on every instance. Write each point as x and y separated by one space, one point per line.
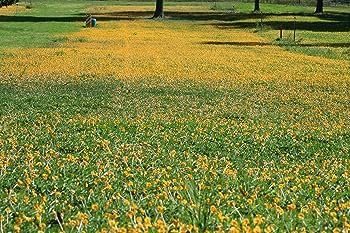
235 43
333 21
317 26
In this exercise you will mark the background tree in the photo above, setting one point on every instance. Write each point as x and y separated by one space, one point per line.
159 12
7 2
257 6
319 7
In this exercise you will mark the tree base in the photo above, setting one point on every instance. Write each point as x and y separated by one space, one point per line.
158 15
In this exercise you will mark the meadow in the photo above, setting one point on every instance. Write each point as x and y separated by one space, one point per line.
202 122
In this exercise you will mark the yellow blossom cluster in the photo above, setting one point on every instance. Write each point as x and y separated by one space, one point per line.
11 10
168 51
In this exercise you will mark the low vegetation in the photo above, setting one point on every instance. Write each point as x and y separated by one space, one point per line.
200 122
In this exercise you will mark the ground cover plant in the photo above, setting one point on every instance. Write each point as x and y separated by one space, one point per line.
200 122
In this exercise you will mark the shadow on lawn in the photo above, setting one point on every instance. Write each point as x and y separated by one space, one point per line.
219 15
132 15
38 19
320 26
234 43
336 22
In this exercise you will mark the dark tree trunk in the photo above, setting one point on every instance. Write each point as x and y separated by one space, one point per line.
319 7
159 12
257 6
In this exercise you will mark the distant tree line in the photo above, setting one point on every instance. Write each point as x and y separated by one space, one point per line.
159 11
318 10
7 2
283 2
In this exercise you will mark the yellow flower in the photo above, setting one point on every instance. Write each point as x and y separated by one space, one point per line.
301 216
147 222
269 229
257 229
250 201
16 228
257 220
160 209
245 222
45 176
291 206
279 210
213 209
94 207
234 230
83 218
42 226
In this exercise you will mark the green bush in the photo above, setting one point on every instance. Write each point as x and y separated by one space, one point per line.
7 2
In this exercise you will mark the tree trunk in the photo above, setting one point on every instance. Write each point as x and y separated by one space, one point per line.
319 7
159 12
257 6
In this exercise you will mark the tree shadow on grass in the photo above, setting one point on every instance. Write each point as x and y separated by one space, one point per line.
38 19
319 26
246 43
219 15
177 15
333 21
132 15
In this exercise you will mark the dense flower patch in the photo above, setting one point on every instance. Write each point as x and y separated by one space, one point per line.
146 126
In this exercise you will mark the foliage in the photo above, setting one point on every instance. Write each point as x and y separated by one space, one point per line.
7 2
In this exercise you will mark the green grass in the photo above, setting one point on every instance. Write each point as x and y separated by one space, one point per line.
84 130
327 36
245 7
35 31
333 53
29 34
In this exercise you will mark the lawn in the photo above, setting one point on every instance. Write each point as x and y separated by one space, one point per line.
199 122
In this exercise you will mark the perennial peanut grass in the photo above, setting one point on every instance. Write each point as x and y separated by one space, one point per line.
171 51
172 126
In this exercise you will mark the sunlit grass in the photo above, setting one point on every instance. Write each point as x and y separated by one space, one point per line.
172 126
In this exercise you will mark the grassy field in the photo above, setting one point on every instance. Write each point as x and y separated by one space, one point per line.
200 122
